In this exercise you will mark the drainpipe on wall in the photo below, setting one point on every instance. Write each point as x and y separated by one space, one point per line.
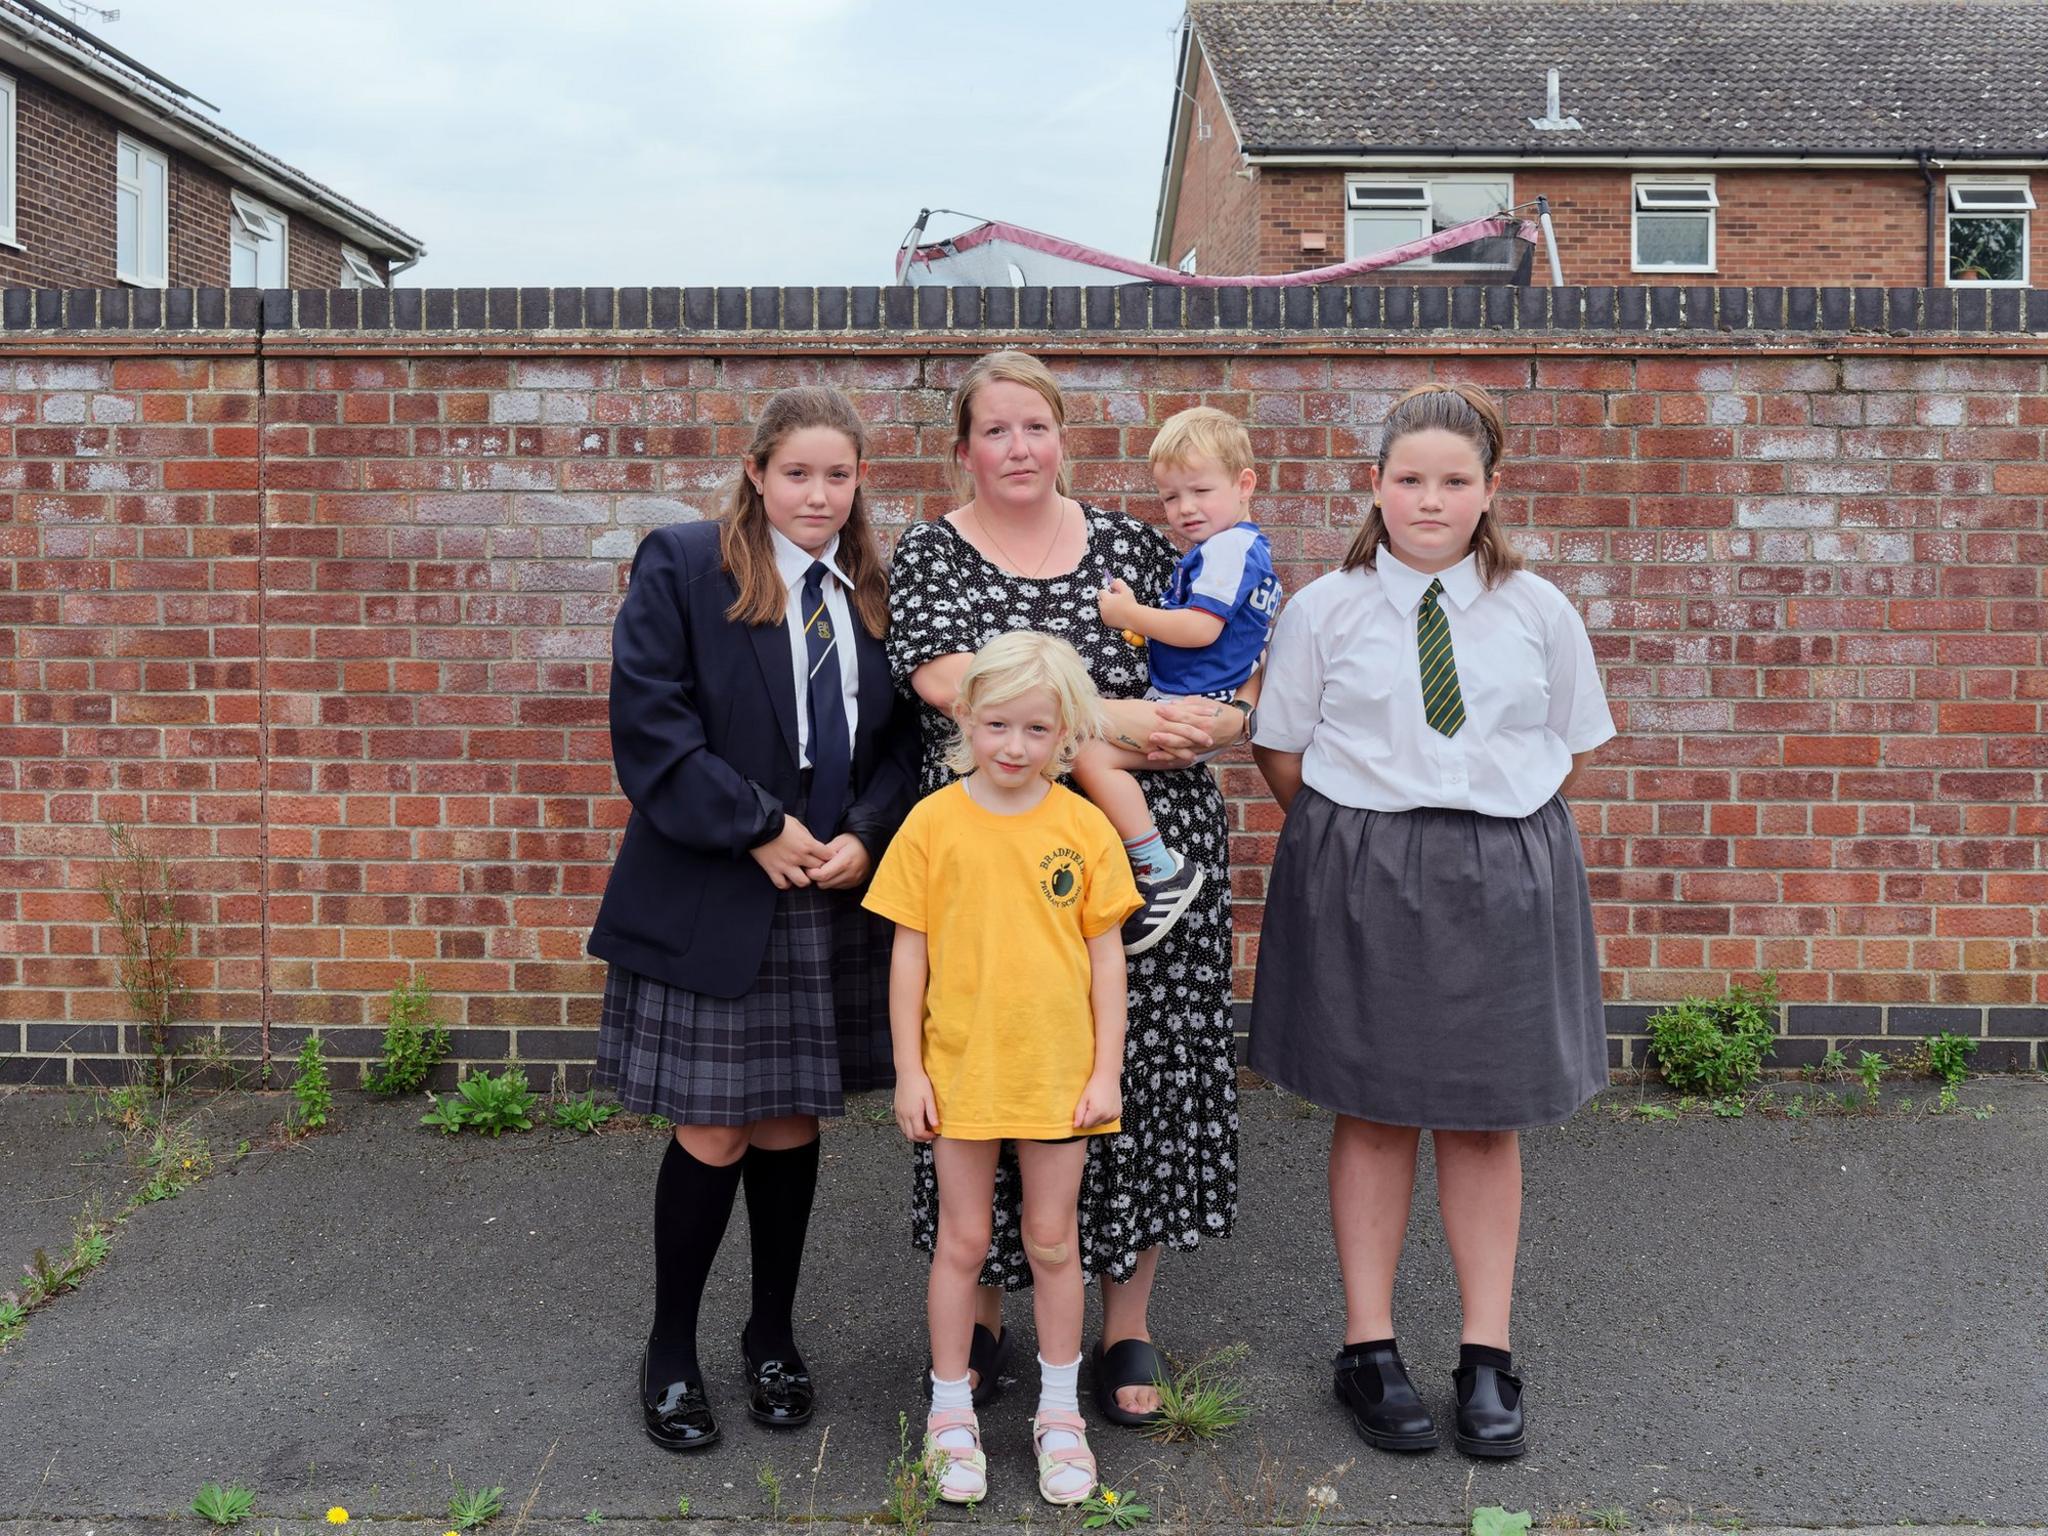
1927 174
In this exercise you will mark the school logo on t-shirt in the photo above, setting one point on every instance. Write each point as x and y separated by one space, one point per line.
1059 876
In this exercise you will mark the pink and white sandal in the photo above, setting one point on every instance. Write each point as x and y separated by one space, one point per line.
962 1471
1077 1457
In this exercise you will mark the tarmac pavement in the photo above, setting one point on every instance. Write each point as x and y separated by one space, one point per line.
1748 1323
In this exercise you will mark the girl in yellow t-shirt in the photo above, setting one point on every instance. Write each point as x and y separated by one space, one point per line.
1006 1005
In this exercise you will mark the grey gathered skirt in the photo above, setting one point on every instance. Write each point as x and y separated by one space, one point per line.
1432 968
814 1028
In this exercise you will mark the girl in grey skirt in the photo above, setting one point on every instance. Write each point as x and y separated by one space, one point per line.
1427 959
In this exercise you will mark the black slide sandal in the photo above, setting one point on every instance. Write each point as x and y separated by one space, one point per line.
987 1356
1127 1363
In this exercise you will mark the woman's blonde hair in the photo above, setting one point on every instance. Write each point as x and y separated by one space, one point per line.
1015 664
743 542
1006 367
1466 411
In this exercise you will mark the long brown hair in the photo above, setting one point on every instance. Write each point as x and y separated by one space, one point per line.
743 542
1007 367
1469 412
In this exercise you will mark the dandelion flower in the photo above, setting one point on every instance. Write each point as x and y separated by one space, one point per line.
1109 1495
337 1516
1323 1496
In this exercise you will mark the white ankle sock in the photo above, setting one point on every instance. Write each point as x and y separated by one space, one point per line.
951 1394
958 1481
1059 1392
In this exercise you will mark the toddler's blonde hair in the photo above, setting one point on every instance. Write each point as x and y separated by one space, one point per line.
1203 432
1022 662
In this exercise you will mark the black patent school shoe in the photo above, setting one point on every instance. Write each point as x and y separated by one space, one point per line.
779 1392
1489 1412
678 1415
1385 1408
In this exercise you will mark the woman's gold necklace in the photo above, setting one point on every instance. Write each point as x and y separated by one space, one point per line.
1059 527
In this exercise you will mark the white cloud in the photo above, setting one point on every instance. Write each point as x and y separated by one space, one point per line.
633 141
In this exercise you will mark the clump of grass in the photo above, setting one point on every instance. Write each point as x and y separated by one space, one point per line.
469 1508
1206 1400
218 1505
581 1113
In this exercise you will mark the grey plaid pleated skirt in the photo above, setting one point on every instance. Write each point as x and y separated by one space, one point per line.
1431 968
814 1028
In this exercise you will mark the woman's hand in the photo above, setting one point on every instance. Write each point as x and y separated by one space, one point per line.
917 1111
846 864
1101 1101
1118 604
1205 723
790 856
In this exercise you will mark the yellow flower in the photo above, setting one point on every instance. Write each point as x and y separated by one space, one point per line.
337 1516
1109 1495
188 1162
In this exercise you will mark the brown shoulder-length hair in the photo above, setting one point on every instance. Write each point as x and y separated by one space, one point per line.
1470 413
743 542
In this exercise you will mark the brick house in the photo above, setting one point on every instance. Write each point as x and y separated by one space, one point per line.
113 176
1719 141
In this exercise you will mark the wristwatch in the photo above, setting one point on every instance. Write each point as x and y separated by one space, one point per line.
1250 713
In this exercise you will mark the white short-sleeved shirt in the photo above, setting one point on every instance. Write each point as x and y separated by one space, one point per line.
1344 689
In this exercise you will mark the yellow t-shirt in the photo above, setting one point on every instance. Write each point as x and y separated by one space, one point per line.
1007 905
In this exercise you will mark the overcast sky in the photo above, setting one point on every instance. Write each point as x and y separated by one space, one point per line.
640 142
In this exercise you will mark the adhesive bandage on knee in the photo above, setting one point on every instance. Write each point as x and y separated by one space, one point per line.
1055 1254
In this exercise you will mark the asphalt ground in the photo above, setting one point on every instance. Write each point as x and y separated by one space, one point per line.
1834 1321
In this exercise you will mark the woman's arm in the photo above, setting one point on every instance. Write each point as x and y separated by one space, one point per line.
1108 995
917 1112
1282 771
937 682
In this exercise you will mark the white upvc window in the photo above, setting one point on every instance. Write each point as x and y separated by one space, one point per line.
7 157
1381 212
1187 262
1673 223
357 270
1990 221
142 213
257 240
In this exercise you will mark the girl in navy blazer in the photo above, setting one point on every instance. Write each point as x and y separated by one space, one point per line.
768 760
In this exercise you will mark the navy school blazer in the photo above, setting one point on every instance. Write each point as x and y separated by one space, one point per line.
704 740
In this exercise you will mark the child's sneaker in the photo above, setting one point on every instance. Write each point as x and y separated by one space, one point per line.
1166 903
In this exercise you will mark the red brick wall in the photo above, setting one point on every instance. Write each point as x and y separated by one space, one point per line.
331 631
64 206
1812 227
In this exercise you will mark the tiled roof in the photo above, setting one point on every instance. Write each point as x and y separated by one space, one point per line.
27 23
1738 76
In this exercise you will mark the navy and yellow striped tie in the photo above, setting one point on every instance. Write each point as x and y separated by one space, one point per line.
1442 705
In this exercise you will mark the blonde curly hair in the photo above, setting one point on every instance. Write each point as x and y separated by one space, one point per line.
1015 664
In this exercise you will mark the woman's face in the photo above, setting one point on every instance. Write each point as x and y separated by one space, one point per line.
1013 451
1431 493
807 485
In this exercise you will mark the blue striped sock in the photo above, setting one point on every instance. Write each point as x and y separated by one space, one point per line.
1151 859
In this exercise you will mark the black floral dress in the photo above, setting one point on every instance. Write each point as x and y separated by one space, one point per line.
1170 1175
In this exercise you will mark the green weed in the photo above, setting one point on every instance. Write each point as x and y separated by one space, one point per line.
1612 1518
13 1319
582 1113
1492 1520
913 1485
469 1508
1948 1056
141 900
769 1481
1204 1401
485 1102
312 1093
1716 1046
223 1506
1118 1511
1870 1067
415 1042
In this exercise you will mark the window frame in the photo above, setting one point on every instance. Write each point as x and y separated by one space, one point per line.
244 210
10 196
357 270
2022 212
1186 264
1708 210
145 153
1428 182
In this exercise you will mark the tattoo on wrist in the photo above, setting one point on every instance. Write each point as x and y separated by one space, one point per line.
1124 741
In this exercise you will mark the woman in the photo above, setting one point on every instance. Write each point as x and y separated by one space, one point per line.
1021 554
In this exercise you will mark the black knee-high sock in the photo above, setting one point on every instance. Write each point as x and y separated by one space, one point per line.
692 1203
780 1187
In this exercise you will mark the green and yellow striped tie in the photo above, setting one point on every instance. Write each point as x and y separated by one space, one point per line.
1442 705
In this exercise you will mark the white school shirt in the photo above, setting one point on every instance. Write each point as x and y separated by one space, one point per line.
1344 689
792 565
